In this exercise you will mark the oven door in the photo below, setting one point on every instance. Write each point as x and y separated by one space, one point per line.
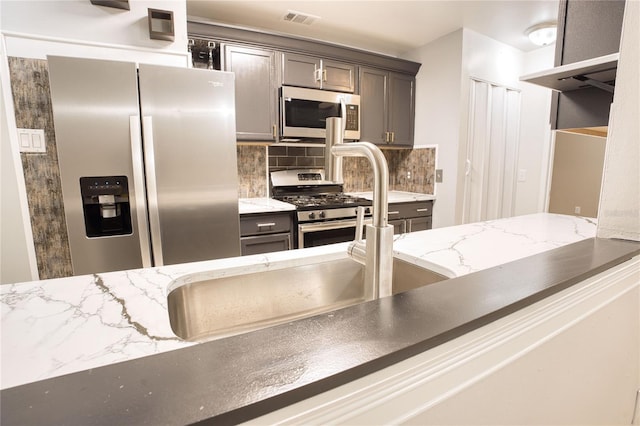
305 112
330 232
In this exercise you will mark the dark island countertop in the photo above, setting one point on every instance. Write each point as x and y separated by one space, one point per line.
242 377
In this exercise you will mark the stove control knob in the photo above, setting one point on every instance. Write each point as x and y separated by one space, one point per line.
367 210
312 215
321 215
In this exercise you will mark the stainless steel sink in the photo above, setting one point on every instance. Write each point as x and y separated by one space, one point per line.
210 309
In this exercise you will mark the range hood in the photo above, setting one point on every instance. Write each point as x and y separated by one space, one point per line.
584 88
597 72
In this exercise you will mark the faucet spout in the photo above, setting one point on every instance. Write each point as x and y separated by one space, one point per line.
376 252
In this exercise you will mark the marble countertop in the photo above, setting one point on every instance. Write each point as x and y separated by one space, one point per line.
263 205
55 327
398 196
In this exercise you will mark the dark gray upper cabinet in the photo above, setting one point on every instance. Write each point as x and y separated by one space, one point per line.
338 76
586 30
373 105
387 107
402 89
317 73
387 92
256 91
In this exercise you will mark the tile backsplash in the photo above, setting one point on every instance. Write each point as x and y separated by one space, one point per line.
409 169
32 101
295 157
252 171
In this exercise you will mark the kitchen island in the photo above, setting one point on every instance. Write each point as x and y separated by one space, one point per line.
56 327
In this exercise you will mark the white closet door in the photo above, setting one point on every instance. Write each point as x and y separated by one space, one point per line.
492 152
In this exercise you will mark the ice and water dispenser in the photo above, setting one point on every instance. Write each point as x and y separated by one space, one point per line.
105 203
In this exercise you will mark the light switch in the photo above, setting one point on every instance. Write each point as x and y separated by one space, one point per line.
36 141
32 140
25 140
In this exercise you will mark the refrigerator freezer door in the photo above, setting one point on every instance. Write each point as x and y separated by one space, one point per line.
92 105
190 158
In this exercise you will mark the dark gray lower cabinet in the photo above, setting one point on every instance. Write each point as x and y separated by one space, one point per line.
419 224
410 217
265 232
399 226
265 243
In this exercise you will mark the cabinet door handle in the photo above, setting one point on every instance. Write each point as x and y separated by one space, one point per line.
266 225
274 130
324 75
318 74
422 210
393 136
397 212
386 137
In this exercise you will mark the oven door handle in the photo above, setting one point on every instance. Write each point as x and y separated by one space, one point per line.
334 224
305 228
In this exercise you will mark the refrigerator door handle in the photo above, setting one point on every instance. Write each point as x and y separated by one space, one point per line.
139 190
152 190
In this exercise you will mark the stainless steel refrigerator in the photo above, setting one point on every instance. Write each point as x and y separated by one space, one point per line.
147 160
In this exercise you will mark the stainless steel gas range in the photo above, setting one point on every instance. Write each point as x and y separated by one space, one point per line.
324 213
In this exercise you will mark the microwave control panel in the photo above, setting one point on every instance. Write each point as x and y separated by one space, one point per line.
352 117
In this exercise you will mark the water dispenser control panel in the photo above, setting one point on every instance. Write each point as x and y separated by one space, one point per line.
105 202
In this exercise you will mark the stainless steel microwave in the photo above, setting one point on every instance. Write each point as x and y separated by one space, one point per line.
303 112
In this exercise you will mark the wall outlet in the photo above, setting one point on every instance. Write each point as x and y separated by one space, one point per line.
522 175
438 175
577 210
31 140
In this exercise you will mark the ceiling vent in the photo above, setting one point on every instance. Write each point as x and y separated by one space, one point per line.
300 18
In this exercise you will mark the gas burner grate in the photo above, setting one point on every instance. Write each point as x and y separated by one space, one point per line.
322 200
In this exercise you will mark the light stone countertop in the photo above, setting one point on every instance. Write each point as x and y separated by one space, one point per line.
398 196
55 327
263 205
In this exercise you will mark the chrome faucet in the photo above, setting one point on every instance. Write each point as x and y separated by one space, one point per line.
376 252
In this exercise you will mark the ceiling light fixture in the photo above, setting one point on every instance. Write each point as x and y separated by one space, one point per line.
542 34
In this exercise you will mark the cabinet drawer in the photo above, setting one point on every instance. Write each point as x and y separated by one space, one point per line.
408 210
265 243
264 224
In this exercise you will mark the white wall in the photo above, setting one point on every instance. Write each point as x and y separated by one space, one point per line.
619 211
535 135
34 29
17 253
442 97
438 114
